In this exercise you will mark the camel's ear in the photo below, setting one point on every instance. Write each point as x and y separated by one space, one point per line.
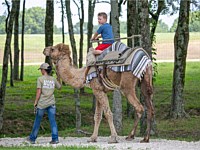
66 49
60 46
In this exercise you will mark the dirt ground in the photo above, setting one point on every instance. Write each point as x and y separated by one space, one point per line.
155 144
165 51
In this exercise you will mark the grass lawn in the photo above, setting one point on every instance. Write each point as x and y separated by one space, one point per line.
19 117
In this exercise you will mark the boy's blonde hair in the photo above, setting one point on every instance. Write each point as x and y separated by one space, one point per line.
103 14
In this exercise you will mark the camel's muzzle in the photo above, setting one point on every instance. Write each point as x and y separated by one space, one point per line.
46 52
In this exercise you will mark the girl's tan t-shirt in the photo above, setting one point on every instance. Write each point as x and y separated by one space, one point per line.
47 84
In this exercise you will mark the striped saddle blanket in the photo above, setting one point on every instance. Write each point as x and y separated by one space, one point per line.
135 60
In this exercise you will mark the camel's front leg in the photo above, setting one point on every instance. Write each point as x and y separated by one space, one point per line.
109 117
103 100
97 120
103 105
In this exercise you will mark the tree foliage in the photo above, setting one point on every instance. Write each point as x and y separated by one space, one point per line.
34 22
194 25
162 27
194 20
2 24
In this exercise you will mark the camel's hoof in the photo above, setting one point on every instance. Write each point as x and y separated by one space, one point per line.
129 138
113 139
93 140
144 141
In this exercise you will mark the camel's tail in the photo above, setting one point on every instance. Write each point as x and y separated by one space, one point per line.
149 83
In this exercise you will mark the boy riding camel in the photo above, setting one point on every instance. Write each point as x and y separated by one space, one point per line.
104 32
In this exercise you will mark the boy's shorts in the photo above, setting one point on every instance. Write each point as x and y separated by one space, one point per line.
101 47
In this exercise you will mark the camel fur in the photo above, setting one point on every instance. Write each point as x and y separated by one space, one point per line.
60 56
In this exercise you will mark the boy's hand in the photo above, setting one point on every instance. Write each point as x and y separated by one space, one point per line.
92 39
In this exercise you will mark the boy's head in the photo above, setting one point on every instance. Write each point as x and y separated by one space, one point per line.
102 17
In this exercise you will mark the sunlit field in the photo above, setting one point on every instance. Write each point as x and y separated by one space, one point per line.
34 45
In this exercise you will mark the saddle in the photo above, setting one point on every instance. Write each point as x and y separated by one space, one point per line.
117 54
119 58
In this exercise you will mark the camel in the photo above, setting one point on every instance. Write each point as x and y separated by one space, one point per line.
126 81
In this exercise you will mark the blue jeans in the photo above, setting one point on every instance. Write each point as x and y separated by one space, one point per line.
51 110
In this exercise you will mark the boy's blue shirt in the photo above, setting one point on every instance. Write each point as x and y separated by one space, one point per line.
106 32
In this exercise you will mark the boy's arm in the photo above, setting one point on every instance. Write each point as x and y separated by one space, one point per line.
94 36
99 36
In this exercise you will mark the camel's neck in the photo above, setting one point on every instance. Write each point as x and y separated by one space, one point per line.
69 74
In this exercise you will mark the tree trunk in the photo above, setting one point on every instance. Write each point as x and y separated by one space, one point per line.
62 18
74 52
144 27
7 50
132 21
115 18
11 63
22 43
71 32
117 99
49 21
11 70
117 110
91 6
181 40
132 29
81 36
16 42
77 108
81 19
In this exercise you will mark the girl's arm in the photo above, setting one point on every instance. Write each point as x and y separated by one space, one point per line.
38 93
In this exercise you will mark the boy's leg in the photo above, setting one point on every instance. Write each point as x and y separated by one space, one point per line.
100 48
36 126
54 129
97 52
90 58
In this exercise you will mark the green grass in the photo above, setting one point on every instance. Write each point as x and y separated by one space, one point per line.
19 117
163 85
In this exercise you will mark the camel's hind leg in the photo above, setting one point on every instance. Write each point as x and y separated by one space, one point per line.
147 91
102 106
128 88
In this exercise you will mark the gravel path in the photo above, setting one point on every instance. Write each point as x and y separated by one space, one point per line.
155 144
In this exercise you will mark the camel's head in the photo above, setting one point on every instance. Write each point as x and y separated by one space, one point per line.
57 51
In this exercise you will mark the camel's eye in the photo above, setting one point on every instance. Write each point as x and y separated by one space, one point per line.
52 49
